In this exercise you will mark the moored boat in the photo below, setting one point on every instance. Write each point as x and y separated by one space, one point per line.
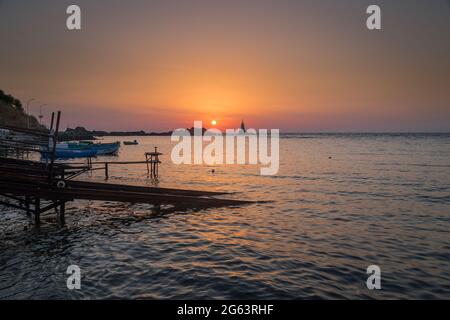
99 148
71 153
106 148
130 143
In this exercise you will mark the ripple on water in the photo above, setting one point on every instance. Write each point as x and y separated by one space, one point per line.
379 200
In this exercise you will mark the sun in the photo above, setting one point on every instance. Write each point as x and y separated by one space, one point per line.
213 122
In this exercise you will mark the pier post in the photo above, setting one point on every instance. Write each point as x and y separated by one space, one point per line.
37 211
27 206
62 214
53 140
106 171
156 209
146 160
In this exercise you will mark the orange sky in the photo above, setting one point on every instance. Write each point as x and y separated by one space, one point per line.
294 65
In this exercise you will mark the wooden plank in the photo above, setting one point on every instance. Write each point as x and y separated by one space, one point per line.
110 186
40 178
68 194
29 163
30 179
25 130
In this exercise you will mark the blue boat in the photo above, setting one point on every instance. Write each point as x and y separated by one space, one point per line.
105 148
70 153
66 154
100 148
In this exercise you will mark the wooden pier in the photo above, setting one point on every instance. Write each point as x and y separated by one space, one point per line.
37 187
29 192
106 165
152 159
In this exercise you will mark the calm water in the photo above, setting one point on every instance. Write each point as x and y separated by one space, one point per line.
380 199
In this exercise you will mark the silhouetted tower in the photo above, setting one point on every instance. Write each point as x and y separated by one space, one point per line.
242 125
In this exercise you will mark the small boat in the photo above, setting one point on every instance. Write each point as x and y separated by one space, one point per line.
66 154
105 148
130 143
71 153
100 148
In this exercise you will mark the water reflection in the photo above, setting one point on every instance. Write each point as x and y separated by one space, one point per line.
379 199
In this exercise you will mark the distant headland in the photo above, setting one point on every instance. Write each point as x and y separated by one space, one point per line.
81 133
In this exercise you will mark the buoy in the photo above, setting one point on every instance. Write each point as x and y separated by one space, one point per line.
61 184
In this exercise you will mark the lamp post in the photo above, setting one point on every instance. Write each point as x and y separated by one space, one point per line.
40 112
28 112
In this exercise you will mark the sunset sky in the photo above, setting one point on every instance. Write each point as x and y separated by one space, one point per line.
300 66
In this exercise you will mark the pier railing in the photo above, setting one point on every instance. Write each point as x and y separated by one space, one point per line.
19 143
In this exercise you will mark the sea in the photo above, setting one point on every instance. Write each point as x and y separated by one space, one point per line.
339 204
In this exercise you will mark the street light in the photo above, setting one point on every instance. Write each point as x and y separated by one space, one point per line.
28 113
40 112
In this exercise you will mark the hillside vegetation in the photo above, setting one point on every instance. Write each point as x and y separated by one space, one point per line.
12 113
